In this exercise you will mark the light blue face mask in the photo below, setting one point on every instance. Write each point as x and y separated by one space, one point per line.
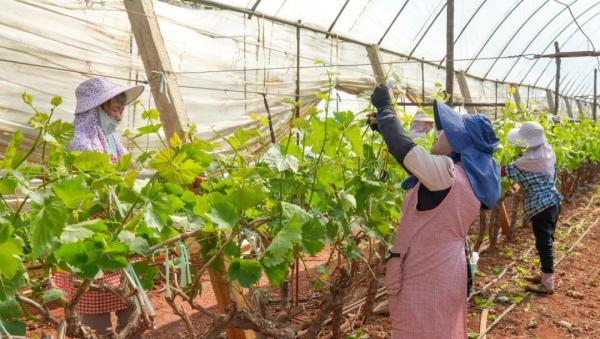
108 124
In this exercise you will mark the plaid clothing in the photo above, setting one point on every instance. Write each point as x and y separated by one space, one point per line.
91 302
540 189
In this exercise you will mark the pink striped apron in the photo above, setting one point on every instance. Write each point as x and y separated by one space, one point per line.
427 281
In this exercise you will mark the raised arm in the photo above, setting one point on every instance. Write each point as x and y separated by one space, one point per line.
434 171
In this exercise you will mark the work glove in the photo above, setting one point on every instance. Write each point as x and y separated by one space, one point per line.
381 97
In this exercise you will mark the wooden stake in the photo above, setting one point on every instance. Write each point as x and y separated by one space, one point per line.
568 106
580 109
221 287
376 63
504 222
158 66
550 98
465 92
516 96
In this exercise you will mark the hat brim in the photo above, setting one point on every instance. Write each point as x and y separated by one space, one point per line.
453 125
131 94
515 138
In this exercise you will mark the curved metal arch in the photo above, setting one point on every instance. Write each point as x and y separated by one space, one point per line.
569 38
465 27
337 17
569 86
534 38
514 35
583 75
587 89
565 41
494 33
578 82
393 21
428 28
579 88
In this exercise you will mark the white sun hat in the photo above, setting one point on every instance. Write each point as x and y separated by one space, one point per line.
96 91
530 133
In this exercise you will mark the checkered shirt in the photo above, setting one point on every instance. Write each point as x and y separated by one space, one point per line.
540 189
91 302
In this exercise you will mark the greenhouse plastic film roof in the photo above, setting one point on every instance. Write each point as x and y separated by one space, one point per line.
225 60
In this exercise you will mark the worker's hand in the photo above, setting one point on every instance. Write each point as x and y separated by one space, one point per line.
381 97
372 122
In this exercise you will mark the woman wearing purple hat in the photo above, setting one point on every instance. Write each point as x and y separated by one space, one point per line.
426 274
100 105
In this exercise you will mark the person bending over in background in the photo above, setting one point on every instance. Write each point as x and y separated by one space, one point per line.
426 274
100 105
420 126
535 172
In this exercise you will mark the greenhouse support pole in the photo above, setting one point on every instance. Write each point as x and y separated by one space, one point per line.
422 81
569 107
465 92
580 108
550 99
516 96
157 64
557 84
298 69
594 103
450 50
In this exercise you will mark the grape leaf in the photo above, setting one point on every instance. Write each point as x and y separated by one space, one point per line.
135 244
8 185
8 287
246 271
10 251
61 131
15 327
232 249
6 229
279 162
47 223
92 162
176 167
10 309
82 230
73 191
52 294
223 214
283 242
146 274
277 274
313 237
247 196
11 155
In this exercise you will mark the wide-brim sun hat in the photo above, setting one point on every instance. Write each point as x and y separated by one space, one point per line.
96 91
474 139
530 133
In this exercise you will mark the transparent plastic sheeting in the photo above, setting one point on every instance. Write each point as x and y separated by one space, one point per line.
224 61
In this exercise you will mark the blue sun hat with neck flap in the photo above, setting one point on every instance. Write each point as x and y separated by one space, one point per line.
474 140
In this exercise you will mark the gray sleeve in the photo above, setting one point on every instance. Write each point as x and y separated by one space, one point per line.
398 143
